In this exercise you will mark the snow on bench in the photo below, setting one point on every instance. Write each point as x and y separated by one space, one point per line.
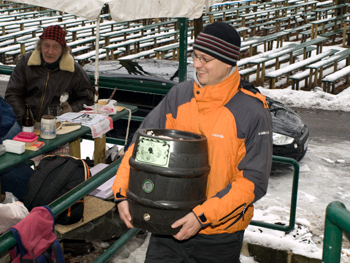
332 78
301 64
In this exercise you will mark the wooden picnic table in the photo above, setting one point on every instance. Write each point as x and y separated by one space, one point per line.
9 160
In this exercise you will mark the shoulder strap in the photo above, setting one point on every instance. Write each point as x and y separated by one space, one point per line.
249 89
86 170
56 248
22 251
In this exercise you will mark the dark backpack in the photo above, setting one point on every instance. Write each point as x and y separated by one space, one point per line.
54 176
36 240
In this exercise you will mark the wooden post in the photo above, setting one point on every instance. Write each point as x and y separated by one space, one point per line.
100 150
74 148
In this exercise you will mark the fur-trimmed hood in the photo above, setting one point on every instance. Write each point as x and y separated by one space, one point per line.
66 62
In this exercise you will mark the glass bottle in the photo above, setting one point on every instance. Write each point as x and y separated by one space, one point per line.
28 120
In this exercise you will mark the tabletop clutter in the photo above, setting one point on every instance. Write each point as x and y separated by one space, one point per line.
50 126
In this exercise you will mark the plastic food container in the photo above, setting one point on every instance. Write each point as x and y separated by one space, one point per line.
27 137
14 146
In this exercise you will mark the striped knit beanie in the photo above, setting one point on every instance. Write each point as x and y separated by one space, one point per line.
221 41
55 33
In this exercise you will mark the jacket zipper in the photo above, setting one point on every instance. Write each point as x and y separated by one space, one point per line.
241 215
244 208
44 95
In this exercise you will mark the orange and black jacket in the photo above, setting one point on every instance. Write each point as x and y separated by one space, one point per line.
238 127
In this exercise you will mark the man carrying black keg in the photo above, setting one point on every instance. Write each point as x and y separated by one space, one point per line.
236 121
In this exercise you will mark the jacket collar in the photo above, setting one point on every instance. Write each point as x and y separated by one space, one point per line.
66 62
213 96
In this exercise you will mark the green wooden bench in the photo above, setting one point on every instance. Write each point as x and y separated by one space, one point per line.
109 25
260 61
139 29
324 12
12 41
316 69
79 49
332 34
31 30
6 69
21 9
286 71
68 23
313 32
246 72
161 52
329 80
297 30
254 16
253 42
83 58
136 44
221 15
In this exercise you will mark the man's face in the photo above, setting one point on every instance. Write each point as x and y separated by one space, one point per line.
51 50
212 72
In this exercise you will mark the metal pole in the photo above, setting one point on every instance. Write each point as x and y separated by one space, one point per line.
97 48
116 246
183 29
294 197
337 220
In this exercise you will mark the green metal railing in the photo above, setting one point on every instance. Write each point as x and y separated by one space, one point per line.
337 221
294 196
7 240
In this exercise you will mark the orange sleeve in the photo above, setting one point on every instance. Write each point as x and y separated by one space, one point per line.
121 181
218 210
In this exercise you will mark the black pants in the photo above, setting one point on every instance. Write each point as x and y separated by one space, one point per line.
16 180
201 248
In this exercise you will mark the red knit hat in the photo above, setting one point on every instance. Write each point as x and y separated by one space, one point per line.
55 33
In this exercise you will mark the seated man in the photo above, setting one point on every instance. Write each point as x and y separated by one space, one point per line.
43 75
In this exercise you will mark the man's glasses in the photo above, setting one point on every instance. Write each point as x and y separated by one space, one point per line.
202 60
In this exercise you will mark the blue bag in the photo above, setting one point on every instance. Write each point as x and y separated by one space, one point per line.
7 117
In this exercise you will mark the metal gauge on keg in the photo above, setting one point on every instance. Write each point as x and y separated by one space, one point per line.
153 151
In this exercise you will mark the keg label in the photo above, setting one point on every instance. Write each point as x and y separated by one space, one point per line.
153 151
147 186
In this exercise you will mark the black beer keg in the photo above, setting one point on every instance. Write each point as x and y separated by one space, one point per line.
168 178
